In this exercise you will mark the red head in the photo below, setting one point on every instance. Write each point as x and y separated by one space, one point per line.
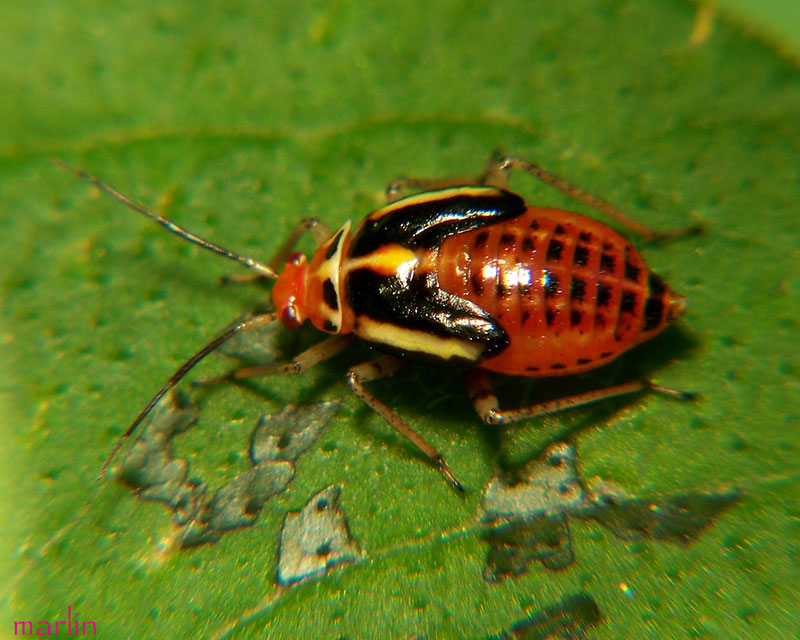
290 293
311 290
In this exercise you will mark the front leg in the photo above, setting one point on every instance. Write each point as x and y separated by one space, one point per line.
301 362
319 232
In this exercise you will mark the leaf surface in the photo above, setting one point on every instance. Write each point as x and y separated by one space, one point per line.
239 119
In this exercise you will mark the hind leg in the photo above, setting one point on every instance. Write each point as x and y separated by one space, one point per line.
483 398
499 168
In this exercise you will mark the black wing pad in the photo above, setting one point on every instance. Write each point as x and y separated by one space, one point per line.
415 319
424 220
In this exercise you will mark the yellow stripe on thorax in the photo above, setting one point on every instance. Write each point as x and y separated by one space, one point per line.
389 260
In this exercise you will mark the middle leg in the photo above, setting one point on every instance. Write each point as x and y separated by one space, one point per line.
494 175
382 368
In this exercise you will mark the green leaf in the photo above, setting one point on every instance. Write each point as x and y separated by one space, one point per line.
777 20
237 120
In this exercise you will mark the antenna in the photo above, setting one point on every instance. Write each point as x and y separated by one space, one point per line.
242 325
250 263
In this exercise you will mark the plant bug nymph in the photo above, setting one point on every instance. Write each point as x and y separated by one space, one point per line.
462 274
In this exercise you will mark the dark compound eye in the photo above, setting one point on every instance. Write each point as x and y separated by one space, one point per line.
295 259
290 317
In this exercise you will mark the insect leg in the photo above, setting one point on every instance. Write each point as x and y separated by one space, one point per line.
483 398
494 175
498 176
381 368
397 189
319 232
302 362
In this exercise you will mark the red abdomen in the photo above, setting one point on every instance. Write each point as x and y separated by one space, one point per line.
571 293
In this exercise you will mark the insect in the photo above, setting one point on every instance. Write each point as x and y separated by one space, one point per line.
462 274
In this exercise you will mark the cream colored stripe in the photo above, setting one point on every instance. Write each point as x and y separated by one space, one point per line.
432 196
417 341
330 270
